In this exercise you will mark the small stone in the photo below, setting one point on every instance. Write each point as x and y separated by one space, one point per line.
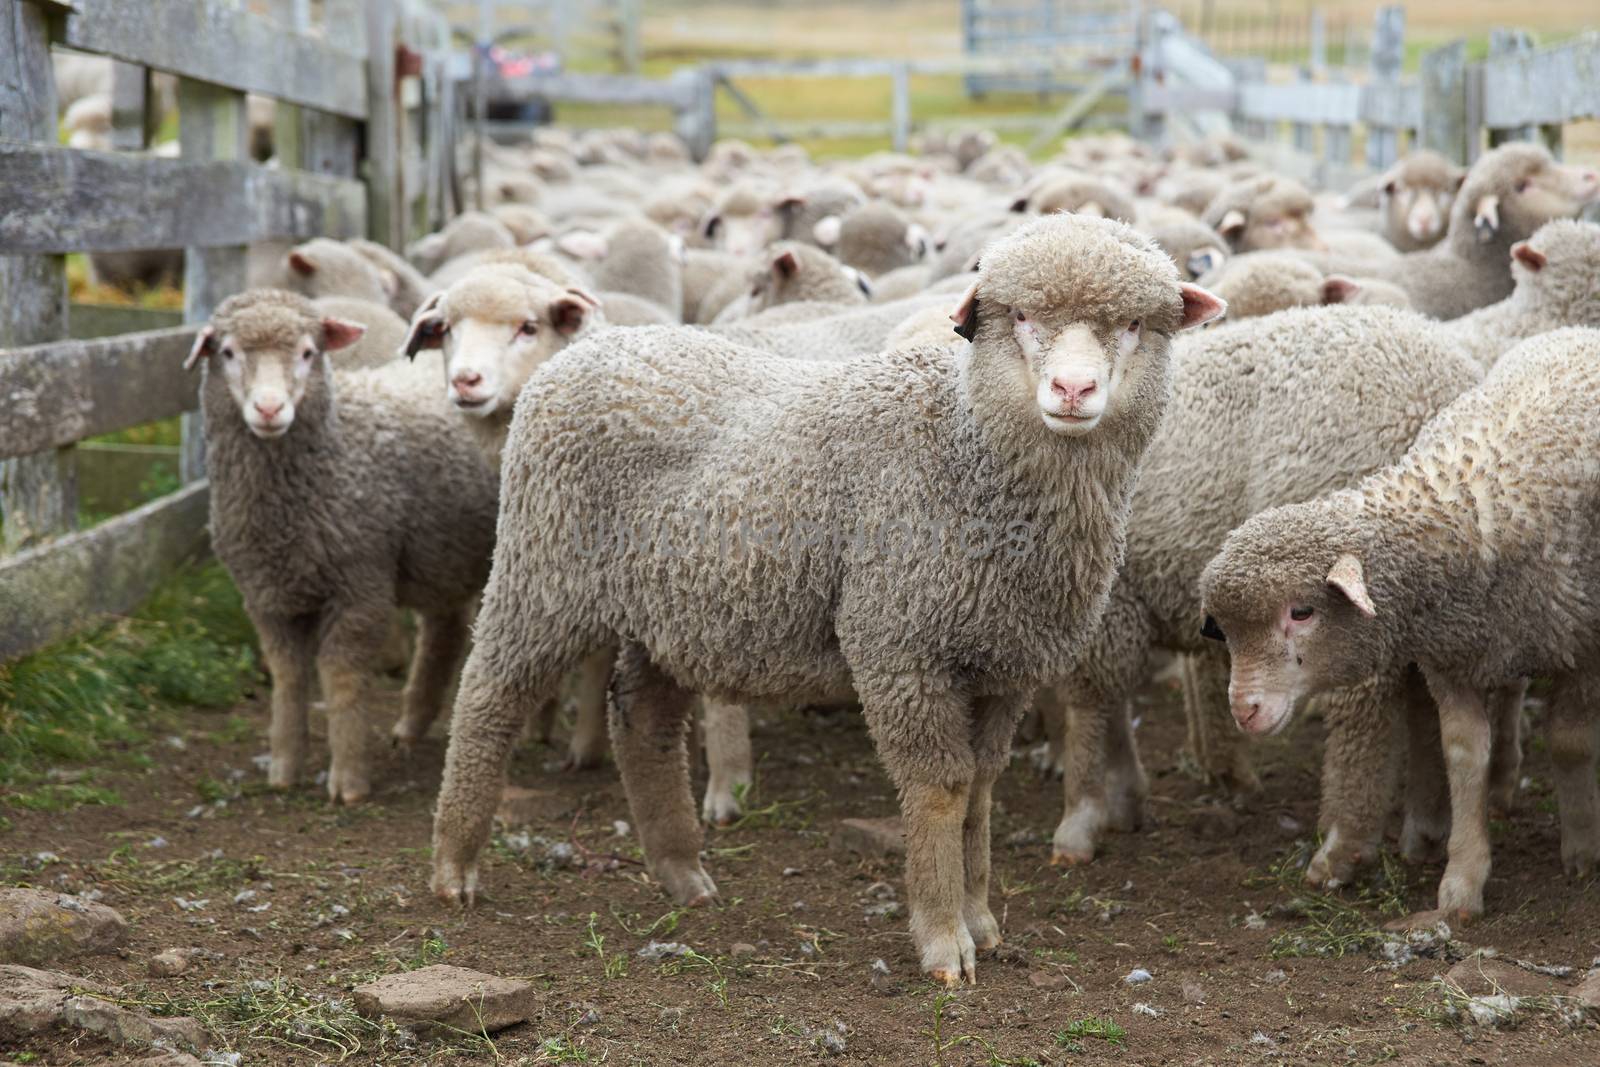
1193 994
790 872
1477 976
1289 824
881 891
620 828
1046 980
1137 976
656 950
244 896
186 904
38 926
831 1043
1149 1010
670 1017
871 837
32 1001
1275 977
171 963
1588 991
591 1016
445 996
741 949
520 806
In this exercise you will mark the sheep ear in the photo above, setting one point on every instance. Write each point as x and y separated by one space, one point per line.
917 241
826 231
1337 289
301 263
966 314
785 265
708 226
389 280
340 333
1019 205
571 311
1529 257
791 204
205 343
1200 306
427 327
584 244
1232 224
1346 577
1486 217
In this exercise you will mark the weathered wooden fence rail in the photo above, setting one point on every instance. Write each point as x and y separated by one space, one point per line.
364 137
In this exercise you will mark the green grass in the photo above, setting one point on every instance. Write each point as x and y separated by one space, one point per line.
1107 1030
97 695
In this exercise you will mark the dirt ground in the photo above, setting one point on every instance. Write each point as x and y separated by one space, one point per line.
1207 901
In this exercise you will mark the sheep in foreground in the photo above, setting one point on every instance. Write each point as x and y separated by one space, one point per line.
1475 556
1015 460
337 498
1556 271
1267 412
1508 194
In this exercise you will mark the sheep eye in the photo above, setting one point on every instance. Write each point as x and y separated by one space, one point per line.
228 353
1300 614
1522 186
307 354
529 328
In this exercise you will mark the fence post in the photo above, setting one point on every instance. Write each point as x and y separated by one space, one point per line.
1388 55
1319 44
1444 101
1510 42
695 114
901 106
130 109
383 123
38 493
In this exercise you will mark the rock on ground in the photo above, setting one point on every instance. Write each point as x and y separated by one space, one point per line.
443 995
32 1000
38 926
872 837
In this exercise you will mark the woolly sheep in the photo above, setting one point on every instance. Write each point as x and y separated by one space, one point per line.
707 289
1269 411
1508 194
471 231
406 286
1078 195
1260 284
1475 556
814 216
335 499
1029 421
1413 199
742 221
1195 247
383 332
527 224
1270 211
850 331
1556 271
638 257
877 239
792 273
325 267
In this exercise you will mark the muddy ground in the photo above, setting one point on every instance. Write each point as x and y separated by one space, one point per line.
1207 901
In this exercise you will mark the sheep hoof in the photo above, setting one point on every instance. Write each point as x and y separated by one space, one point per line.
404 737
1503 800
345 787
982 927
954 959
1580 861
1072 858
455 883
581 761
688 885
720 810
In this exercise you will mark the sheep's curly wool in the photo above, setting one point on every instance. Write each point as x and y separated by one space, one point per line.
802 537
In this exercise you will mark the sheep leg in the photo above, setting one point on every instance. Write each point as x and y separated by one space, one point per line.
1053 724
1360 769
540 724
1572 749
441 638
728 759
1427 817
351 644
288 648
1084 814
1127 786
1465 732
650 718
587 748
1505 757
517 659
994 726
1223 754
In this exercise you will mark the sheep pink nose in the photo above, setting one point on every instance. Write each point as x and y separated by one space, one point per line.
1073 390
467 379
268 412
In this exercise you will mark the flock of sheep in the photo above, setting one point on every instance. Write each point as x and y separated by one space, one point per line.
921 433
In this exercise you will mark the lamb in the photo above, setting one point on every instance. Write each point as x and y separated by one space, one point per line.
1555 273
335 499
815 216
803 279
1413 199
471 231
1269 411
1270 211
1508 194
1475 556
877 239
526 224
1037 429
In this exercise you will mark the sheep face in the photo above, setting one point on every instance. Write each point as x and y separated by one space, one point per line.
798 272
1418 211
496 327
268 355
1288 594
1515 189
1074 314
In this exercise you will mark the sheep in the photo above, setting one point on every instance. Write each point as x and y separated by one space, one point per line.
926 328
335 499
1028 422
638 257
848 331
793 274
815 215
877 239
901 282
325 267
383 332
1270 211
1260 284
1413 199
1269 411
1077 194
471 231
1555 273
405 284
1508 194
1195 247
1475 556
527 224
706 286
742 221
539 259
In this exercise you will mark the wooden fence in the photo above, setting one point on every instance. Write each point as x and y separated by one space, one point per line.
364 147
1315 125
